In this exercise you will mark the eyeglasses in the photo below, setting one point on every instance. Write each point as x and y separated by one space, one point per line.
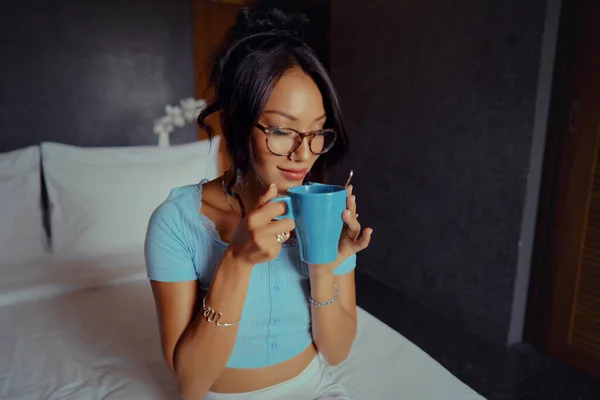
285 141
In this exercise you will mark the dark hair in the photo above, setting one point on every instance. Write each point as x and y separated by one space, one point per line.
263 44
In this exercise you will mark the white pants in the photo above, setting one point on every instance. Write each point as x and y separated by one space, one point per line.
314 383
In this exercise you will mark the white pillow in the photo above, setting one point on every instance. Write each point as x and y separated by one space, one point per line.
101 198
22 235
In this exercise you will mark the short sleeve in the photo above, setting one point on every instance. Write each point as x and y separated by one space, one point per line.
168 258
346 266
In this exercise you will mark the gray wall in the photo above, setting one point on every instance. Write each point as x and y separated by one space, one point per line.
439 99
92 72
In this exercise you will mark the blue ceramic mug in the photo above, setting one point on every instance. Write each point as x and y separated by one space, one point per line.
317 212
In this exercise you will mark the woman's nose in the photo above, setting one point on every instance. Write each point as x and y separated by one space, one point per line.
302 153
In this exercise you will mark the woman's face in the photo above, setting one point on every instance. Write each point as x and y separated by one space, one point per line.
296 103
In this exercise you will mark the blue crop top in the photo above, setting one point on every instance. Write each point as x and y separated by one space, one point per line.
182 245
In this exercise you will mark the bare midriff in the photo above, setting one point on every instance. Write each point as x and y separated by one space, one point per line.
234 380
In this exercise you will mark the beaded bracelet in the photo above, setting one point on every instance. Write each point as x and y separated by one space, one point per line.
214 316
326 303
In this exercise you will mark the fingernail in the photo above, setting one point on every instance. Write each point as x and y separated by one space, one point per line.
347 212
271 185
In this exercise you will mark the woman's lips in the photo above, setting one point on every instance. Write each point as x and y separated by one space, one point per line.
293 174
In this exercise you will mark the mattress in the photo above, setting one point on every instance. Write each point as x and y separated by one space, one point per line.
87 329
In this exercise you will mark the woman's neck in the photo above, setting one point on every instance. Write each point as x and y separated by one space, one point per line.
249 190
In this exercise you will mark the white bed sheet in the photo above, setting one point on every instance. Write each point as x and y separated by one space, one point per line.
52 275
99 340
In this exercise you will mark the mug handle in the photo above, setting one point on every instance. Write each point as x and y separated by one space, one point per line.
287 200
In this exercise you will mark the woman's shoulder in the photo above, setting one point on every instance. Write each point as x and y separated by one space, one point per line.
212 194
181 201
173 237
181 213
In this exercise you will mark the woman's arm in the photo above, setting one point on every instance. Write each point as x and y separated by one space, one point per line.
333 326
195 349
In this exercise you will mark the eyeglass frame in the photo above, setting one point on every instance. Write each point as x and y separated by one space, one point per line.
310 135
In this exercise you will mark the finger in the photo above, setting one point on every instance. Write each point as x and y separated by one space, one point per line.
271 210
352 224
350 189
364 241
280 226
265 214
268 195
351 200
351 204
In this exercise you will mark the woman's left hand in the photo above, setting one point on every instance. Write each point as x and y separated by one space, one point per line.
350 242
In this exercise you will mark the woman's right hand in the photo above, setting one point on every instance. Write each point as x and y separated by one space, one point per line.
255 239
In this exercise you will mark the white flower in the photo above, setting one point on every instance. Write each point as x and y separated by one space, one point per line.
163 125
187 111
189 108
176 115
192 108
201 104
163 129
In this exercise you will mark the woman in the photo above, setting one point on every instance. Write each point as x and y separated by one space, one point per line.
215 247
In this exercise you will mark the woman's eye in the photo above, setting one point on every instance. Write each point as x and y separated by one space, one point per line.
280 132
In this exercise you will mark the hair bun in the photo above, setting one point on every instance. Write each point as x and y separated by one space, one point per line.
253 20
256 23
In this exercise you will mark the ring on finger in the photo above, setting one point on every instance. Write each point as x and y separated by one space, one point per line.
356 215
281 237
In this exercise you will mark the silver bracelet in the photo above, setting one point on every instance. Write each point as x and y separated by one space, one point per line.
328 302
214 316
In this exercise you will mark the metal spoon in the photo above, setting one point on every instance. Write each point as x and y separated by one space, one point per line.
349 178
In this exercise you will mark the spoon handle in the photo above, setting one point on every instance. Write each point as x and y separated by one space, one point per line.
349 178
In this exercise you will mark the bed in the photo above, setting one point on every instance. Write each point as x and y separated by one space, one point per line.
77 318
94 335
